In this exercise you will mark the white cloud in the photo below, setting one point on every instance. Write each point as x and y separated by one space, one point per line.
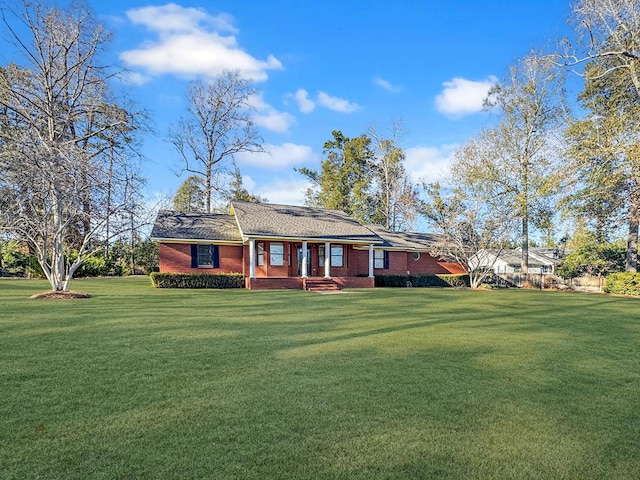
305 104
462 97
429 163
270 118
175 18
274 120
337 104
191 42
386 85
278 156
286 192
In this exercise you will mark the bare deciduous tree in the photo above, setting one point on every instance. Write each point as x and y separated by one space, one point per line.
466 223
518 157
59 124
395 192
606 29
218 125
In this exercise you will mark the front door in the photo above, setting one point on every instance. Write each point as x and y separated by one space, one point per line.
299 250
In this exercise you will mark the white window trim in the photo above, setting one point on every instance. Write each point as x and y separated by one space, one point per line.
279 255
341 256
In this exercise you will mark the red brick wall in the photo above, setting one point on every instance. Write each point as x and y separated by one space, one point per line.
176 258
425 265
349 263
397 264
403 263
230 258
267 270
354 282
355 262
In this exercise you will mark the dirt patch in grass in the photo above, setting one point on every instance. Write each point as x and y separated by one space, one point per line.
60 295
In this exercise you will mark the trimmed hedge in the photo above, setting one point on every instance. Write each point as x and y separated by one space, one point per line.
624 283
197 280
448 280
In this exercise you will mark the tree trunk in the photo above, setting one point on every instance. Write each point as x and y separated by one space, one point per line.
133 244
57 247
207 192
632 240
524 262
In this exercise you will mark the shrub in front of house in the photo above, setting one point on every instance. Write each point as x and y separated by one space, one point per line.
453 280
623 283
197 280
448 280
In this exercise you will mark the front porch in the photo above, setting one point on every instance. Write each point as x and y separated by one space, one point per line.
273 265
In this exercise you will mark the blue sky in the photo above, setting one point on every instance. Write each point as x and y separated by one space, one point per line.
322 66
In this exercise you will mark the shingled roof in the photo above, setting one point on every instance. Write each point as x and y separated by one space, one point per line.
264 220
287 221
406 241
172 225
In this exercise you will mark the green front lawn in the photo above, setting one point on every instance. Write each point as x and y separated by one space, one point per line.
139 383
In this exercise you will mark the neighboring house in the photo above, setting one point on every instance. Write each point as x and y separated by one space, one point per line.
541 260
284 246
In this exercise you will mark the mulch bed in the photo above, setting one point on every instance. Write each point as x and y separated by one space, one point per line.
60 295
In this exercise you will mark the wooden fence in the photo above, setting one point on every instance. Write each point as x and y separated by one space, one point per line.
547 280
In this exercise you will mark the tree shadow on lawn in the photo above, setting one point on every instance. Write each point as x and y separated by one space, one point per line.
458 395
370 416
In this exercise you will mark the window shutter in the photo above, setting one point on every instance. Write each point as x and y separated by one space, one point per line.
386 260
194 255
215 256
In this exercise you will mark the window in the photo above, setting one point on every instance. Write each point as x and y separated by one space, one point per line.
416 256
321 256
276 254
337 254
378 258
205 255
260 256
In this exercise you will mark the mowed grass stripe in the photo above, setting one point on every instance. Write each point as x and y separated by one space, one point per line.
386 383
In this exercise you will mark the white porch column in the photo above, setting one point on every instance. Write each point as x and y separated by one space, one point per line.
305 267
252 258
371 260
327 259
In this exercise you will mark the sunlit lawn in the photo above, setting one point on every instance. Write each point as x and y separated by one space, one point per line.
137 383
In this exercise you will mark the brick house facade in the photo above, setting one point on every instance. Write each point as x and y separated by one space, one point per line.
282 246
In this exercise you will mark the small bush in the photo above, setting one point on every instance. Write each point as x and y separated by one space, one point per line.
448 280
459 281
197 280
92 267
624 283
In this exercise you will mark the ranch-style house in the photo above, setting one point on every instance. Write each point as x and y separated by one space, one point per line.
285 246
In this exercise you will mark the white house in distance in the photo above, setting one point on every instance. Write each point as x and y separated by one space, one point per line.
541 260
